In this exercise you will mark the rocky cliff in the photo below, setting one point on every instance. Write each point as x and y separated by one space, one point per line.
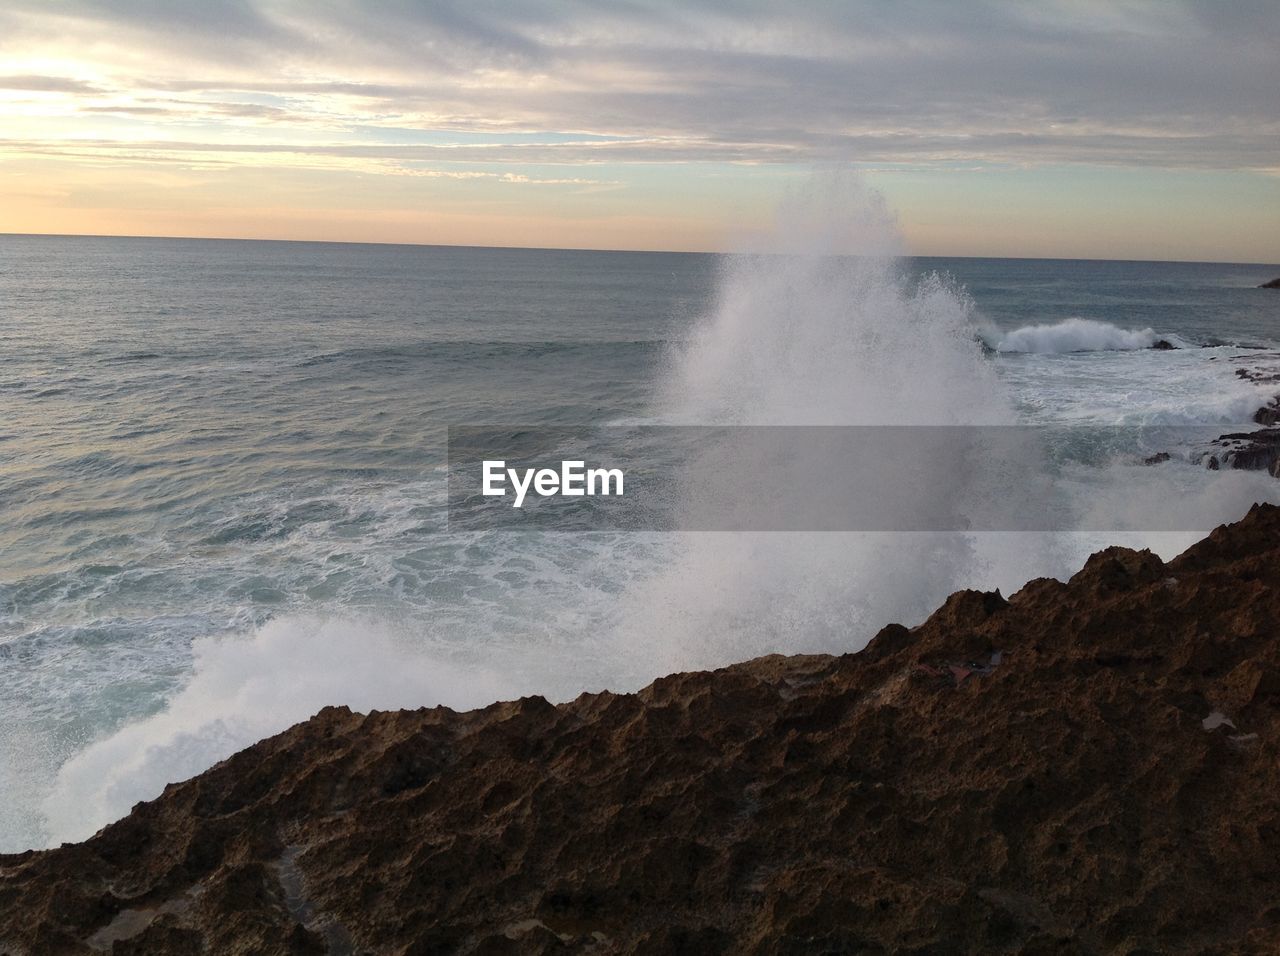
1086 767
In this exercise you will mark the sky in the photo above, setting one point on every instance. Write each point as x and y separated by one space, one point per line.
1142 129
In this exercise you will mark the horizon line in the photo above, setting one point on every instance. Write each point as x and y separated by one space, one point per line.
680 252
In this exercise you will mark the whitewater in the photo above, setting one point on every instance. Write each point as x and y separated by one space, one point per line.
225 491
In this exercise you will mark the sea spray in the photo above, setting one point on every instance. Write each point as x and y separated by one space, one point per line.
244 689
825 328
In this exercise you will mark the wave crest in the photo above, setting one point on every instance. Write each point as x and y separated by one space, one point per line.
1076 335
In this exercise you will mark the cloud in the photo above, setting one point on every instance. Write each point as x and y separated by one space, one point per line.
1169 83
349 159
47 84
189 110
1256 152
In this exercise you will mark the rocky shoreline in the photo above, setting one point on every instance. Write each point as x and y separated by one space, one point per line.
1246 451
1252 451
1082 768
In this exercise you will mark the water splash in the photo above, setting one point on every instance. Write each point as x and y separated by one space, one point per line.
244 689
826 328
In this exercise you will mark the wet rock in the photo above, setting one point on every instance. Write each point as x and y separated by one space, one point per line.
1246 451
1260 376
1273 284
1268 415
1068 798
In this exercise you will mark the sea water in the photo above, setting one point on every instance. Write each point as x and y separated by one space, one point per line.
222 488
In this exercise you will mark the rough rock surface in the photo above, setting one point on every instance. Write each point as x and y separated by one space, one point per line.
1087 767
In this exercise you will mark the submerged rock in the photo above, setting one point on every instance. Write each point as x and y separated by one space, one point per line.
1107 781
1258 375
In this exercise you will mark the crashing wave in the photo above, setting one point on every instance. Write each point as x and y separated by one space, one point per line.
1078 335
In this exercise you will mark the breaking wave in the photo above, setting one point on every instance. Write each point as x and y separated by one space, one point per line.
1076 335
243 689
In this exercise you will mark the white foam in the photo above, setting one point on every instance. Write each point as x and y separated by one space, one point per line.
244 689
1185 387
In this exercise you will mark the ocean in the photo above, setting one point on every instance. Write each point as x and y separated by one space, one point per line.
223 489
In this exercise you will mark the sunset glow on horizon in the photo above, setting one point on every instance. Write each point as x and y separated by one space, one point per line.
1144 130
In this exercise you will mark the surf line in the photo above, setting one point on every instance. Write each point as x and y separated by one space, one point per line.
573 479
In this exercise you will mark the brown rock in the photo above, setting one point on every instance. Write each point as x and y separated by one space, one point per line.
1068 799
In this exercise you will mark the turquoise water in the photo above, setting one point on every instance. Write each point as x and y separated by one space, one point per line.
205 440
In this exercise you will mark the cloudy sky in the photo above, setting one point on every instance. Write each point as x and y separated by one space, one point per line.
1107 128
